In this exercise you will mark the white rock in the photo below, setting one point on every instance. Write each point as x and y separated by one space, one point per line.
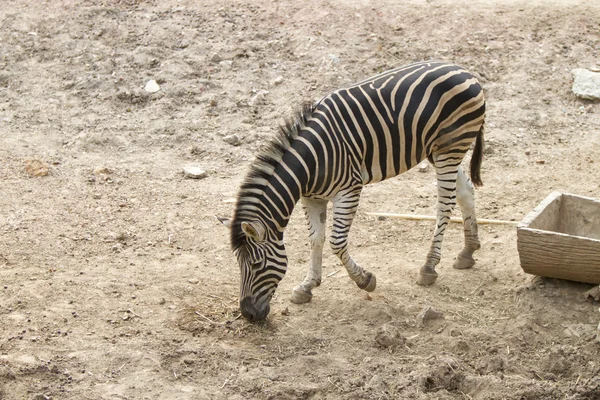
586 84
194 172
260 94
423 167
278 80
233 140
152 86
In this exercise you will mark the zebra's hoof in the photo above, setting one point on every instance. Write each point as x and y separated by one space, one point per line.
427 276
369 283
300 296
464 261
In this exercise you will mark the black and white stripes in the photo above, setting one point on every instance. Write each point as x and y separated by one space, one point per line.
365 133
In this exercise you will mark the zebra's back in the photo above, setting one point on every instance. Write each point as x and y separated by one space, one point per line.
391 122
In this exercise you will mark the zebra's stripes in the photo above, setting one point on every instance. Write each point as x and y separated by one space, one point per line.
365 133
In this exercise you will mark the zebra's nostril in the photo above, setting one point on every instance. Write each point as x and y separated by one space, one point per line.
251 312
248 309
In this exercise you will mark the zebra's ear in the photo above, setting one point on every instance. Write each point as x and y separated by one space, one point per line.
225 221
255 230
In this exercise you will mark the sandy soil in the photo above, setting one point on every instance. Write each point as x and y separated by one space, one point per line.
116 279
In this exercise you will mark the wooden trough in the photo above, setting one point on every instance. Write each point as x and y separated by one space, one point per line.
560 238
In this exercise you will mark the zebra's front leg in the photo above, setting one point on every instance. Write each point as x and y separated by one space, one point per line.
446 199
465 196
316 213
344 208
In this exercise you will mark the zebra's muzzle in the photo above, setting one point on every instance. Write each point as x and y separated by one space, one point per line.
253 312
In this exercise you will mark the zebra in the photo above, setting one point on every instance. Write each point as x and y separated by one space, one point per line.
362 134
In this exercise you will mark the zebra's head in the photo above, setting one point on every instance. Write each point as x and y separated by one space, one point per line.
262 260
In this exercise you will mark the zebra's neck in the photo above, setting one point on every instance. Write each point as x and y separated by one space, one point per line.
277 178
270 198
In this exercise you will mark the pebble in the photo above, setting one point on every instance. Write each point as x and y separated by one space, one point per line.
233 140
193 281
423 167
194 172
540 161
215 58
527 152
278 80
152 86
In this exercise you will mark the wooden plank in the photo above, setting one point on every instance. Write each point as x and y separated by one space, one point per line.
415 217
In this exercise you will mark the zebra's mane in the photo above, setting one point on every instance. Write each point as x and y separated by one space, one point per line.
263 166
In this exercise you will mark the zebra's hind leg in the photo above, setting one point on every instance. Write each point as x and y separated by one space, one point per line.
344 208
446 167
316 213
465 196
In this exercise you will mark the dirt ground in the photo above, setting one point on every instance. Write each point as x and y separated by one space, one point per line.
117 281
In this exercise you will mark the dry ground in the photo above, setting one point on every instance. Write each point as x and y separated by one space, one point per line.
117 281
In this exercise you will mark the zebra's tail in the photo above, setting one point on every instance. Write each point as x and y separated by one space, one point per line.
477 158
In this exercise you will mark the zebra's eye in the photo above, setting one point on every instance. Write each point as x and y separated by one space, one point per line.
256 265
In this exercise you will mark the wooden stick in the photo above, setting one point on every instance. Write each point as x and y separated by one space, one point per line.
414 217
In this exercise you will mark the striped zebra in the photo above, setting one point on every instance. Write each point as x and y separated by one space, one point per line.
365 133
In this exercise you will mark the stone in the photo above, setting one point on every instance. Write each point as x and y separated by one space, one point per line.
36 168
233 140
278 80
428 314
216 58
193 281
388 337
586 84
423 167
194 172
257 96
152 86
489 150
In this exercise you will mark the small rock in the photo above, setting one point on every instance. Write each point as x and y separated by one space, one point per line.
182 43
162 301
194 172
278 80
285 311
102 171
216 58
257 96
540 161
428 314
193 281
233 140
489 150
593 293
586 84
36 168
152 86
388 337
527 152
423 167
